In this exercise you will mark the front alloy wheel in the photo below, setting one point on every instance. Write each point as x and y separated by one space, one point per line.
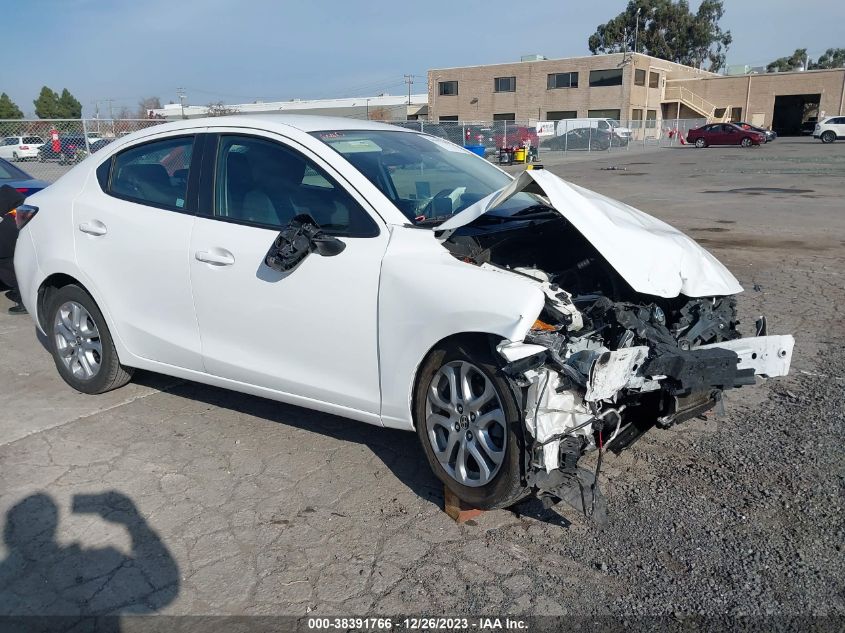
828 137
700 142
466 423
469 421
746 142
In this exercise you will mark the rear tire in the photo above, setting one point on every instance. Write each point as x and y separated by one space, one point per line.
828 137
700 143
495 422
81 344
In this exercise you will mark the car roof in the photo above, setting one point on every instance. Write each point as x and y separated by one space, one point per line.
302 122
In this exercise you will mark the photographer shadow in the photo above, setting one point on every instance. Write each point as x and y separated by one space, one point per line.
41 577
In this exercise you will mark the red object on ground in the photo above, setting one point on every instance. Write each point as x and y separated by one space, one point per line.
54 136
457 509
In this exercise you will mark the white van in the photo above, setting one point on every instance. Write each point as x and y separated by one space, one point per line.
608 125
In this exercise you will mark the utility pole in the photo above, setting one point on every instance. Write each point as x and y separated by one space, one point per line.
111 111
409 79
180 92
637 32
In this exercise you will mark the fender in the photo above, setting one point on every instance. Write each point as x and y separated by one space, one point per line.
418 309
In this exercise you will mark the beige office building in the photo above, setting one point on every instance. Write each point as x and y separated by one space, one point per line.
629 87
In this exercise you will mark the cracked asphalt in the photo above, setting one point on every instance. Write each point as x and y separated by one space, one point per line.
177 498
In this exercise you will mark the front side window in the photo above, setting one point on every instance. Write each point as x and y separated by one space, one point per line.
603 78
261 182
448 88
562 80
427 178
154 173
504 84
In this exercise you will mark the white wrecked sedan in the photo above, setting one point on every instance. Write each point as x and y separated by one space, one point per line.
389 277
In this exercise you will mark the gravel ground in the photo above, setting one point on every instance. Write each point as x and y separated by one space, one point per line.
235 505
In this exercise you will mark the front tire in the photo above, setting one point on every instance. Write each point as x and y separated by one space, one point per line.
828 137
700 143
470 425
746 142
81 344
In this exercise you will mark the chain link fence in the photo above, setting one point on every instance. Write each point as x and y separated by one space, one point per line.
567 135
46 149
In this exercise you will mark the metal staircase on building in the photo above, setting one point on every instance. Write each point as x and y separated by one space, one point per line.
686 97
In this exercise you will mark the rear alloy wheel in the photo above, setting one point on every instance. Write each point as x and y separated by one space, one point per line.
470 426
746 142
700 143
828 137
81 344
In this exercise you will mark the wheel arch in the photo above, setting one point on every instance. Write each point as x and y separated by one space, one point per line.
56 280
480 340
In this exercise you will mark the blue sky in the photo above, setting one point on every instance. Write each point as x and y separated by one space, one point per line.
242 50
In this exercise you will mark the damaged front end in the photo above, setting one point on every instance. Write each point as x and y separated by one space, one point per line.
611 370
606 360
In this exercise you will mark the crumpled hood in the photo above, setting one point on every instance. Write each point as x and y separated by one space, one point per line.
652 256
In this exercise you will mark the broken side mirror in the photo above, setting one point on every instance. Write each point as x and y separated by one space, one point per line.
299 238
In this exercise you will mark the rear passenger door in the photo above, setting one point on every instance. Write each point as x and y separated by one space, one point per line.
132 229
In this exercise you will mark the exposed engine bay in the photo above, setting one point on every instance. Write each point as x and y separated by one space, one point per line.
604 363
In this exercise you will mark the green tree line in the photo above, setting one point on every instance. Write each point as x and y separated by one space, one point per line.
49 105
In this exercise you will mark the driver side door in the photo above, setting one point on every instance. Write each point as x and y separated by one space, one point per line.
310 332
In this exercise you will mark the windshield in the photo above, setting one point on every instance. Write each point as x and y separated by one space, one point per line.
429 179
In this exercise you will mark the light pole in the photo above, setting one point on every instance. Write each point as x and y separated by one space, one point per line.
180 92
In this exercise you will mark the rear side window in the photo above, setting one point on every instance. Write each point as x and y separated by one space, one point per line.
262 182
154 173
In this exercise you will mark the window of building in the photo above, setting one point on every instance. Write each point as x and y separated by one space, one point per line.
604 114
736 114
654 80
154 173
651 118
639 77
637 114
448 88
505 116
448 117
265 183
718 113
559 115
562 80
504 84
603 78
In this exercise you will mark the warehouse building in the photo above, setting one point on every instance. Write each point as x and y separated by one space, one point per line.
629 87
378 108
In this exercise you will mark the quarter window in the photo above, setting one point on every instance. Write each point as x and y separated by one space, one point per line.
602 78
562 80
264 183
154 173
448 88
504 84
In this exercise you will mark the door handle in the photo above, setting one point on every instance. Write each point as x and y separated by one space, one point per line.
94 227
216 257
